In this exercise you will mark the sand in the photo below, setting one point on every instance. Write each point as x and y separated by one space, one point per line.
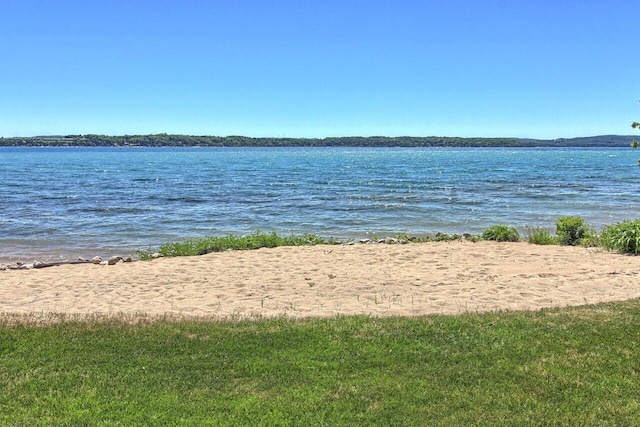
375 279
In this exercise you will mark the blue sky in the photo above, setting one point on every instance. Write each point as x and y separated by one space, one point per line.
540 69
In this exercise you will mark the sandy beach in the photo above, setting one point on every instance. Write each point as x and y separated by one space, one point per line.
375 279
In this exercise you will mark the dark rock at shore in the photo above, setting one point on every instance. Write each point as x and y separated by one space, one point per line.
114 260
40 264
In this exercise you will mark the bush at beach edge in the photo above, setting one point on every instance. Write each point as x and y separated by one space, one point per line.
623 237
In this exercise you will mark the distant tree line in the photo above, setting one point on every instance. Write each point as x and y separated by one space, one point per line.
166 140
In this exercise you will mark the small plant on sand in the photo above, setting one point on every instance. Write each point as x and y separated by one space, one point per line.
144 255
571 230
501 233
444 237
402 237
623 237
540 236
592 240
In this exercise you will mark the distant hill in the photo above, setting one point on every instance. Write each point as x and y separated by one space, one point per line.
585 141
165 140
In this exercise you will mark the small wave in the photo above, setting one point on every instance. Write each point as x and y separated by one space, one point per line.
185 199
176 199
64 197
109 210
145 180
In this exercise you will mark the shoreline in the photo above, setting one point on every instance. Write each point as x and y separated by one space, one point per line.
415 279
57 258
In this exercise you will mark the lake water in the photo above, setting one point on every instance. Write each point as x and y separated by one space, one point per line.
60 203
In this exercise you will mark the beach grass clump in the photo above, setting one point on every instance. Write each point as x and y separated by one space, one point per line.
623 237
501 233
540 236
573 231
570 366
255 240
446 237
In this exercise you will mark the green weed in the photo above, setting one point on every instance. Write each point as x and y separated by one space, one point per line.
539 236
571 230
501 233
623 237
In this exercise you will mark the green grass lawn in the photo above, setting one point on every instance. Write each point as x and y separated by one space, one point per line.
576 366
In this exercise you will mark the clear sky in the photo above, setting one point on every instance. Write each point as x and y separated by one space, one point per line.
316 68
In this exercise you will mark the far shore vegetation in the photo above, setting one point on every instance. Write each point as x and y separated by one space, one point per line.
169 140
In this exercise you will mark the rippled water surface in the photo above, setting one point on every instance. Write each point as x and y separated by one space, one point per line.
59 203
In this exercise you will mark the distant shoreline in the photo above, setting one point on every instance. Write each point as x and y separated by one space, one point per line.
167 140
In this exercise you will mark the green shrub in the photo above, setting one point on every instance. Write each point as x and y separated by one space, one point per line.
623 237
501 233
540 236
592 240
571 230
